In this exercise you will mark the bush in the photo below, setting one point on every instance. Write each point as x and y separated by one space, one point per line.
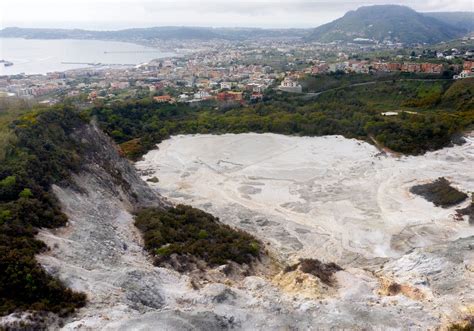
440 192
26 193
187 231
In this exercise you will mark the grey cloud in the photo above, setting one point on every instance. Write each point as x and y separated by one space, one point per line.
267 7
115 14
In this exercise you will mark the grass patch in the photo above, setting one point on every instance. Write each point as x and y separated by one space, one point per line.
440 192
187 231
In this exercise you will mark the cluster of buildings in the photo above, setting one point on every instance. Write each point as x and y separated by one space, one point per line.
206 77
33 86
356 66
223 71
467 72
425 67
185 80
454 53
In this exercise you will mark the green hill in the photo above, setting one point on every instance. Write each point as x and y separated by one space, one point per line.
161 33
387 22
464 20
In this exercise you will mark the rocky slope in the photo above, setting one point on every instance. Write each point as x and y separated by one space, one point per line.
100 252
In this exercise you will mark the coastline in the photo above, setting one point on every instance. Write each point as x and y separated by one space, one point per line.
74 54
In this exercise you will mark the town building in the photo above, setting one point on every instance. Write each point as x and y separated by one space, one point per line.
291 86
229 96
164 99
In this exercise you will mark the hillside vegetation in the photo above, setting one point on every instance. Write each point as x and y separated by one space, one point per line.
41 154
162 33
430 114
397 23
10 109
464 20
459 95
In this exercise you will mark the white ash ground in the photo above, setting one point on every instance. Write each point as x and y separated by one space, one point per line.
335 199
327 198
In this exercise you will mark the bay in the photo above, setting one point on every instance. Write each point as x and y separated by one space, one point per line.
36 56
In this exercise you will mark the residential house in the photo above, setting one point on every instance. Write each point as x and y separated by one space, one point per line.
164 99
289 85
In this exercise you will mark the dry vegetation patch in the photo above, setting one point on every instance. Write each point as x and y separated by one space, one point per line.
389 287
324 271
468 211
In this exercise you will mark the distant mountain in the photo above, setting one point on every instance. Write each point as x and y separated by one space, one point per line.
381 22
163 33
397 23
464 20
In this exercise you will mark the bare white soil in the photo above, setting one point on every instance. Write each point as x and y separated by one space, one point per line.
328 198
337 200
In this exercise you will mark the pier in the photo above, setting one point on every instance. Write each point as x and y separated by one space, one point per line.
131 52
98 64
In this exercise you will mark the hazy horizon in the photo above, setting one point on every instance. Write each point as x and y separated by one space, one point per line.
108 15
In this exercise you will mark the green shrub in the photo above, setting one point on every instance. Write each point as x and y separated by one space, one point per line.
163 251
184 230
26 193
440 192
8 182
203 234
153 180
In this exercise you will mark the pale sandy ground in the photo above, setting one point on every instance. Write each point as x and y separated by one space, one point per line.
342 201
326 197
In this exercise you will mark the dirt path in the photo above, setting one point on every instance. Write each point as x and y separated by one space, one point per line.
383 148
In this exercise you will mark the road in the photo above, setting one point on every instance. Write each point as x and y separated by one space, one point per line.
311 95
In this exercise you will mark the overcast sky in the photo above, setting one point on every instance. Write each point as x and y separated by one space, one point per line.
116 14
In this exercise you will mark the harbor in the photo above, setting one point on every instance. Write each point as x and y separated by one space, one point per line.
26 56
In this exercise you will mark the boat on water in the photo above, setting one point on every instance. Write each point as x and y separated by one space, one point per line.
6 63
